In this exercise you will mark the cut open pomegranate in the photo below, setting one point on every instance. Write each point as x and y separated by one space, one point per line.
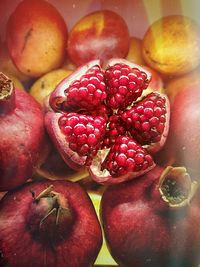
100 119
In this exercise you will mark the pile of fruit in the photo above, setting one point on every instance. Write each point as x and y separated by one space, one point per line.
99 141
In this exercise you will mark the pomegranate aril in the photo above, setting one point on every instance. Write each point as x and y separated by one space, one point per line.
115 127
88 92
126 155
85 134
124 80
146 119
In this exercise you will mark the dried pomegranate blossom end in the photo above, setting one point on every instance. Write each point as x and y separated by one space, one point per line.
50 217
124 85
7 94
146 120
126 155
83 133
88 92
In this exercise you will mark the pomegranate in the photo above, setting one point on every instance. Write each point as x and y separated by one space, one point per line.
48 223
153 221
185 127
99 119
22 134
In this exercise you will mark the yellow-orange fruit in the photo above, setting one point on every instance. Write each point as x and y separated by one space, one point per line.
7 66
135 51
36 37
171 45
47 83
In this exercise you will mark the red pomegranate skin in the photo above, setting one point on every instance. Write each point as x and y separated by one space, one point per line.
185 127
140 232
22 136
20 248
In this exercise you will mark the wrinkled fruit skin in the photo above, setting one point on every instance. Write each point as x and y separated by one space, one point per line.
22 136
140 232
99 118
185 127
78 248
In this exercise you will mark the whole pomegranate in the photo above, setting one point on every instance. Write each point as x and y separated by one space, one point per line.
22 134
154 220
50 224
99 119
185 126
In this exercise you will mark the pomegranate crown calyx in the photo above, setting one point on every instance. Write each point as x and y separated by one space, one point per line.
57 205
176 187
7 94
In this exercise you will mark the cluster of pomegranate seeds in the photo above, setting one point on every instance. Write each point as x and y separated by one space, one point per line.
112 122
124 85
146 119
88 92
115 127
83 133
126 155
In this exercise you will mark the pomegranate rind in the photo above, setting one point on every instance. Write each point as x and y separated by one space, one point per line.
59 96
72 158
104 177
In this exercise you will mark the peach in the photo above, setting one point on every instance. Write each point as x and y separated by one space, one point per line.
47 83
36 37
135 51
101 34
171 45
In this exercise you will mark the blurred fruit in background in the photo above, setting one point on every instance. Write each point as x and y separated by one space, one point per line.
102 34
7 66
185 126
47 83
68 65
36 37
173 86
172 45
135 51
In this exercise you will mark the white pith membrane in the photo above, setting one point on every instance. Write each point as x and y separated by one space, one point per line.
58 97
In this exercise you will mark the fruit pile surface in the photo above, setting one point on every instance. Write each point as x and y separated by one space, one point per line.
99 139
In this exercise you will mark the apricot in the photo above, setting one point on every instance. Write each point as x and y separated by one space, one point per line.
135 51
171 45
36 37
101 34
43 86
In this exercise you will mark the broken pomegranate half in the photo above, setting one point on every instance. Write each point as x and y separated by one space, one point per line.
100 120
